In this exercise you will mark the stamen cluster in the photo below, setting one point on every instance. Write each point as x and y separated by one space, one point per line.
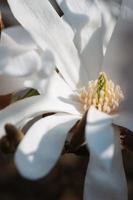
101 93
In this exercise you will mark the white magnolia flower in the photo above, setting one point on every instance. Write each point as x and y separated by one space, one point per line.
77 43
22 63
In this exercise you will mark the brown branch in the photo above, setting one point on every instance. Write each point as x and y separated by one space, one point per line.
126 138
10 141
75 142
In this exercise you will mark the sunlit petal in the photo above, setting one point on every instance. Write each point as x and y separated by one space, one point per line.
118 65
32 107
23 60
58 87
85 20
48 29
105 178
21 65
75 13
92 54
12 35
42 145
110 11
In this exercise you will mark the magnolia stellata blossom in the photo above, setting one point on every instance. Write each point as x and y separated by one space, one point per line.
81 46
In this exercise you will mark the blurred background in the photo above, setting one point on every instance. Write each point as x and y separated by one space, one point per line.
64 182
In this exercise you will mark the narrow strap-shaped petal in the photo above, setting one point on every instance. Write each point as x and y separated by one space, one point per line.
85 19
15 71
49 30
42 145
15 41
118 65
110 11
16 59
21 65
63 91
17 35
33 106
105 178
22 62
75 12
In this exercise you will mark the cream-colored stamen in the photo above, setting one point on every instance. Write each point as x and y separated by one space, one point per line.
101 93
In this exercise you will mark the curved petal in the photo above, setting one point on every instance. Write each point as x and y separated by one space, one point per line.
47 63
12 35
118 65
85 20
48 30
105 178
33 106
14 71
42 145
63 91
91 35
21 65
92 54
57 87
75 12
16 59
110 11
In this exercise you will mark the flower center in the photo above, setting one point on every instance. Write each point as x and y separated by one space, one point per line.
101 93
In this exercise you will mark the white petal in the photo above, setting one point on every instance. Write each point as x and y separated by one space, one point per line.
18 36
119 66
75 12
48 29
110 11
53 84
22 60
21 65
15 70
32 107
105 178
92 54
85 19
47 63
43 73
42 145
15 58
59 88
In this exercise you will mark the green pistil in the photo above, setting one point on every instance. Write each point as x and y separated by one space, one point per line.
101 84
